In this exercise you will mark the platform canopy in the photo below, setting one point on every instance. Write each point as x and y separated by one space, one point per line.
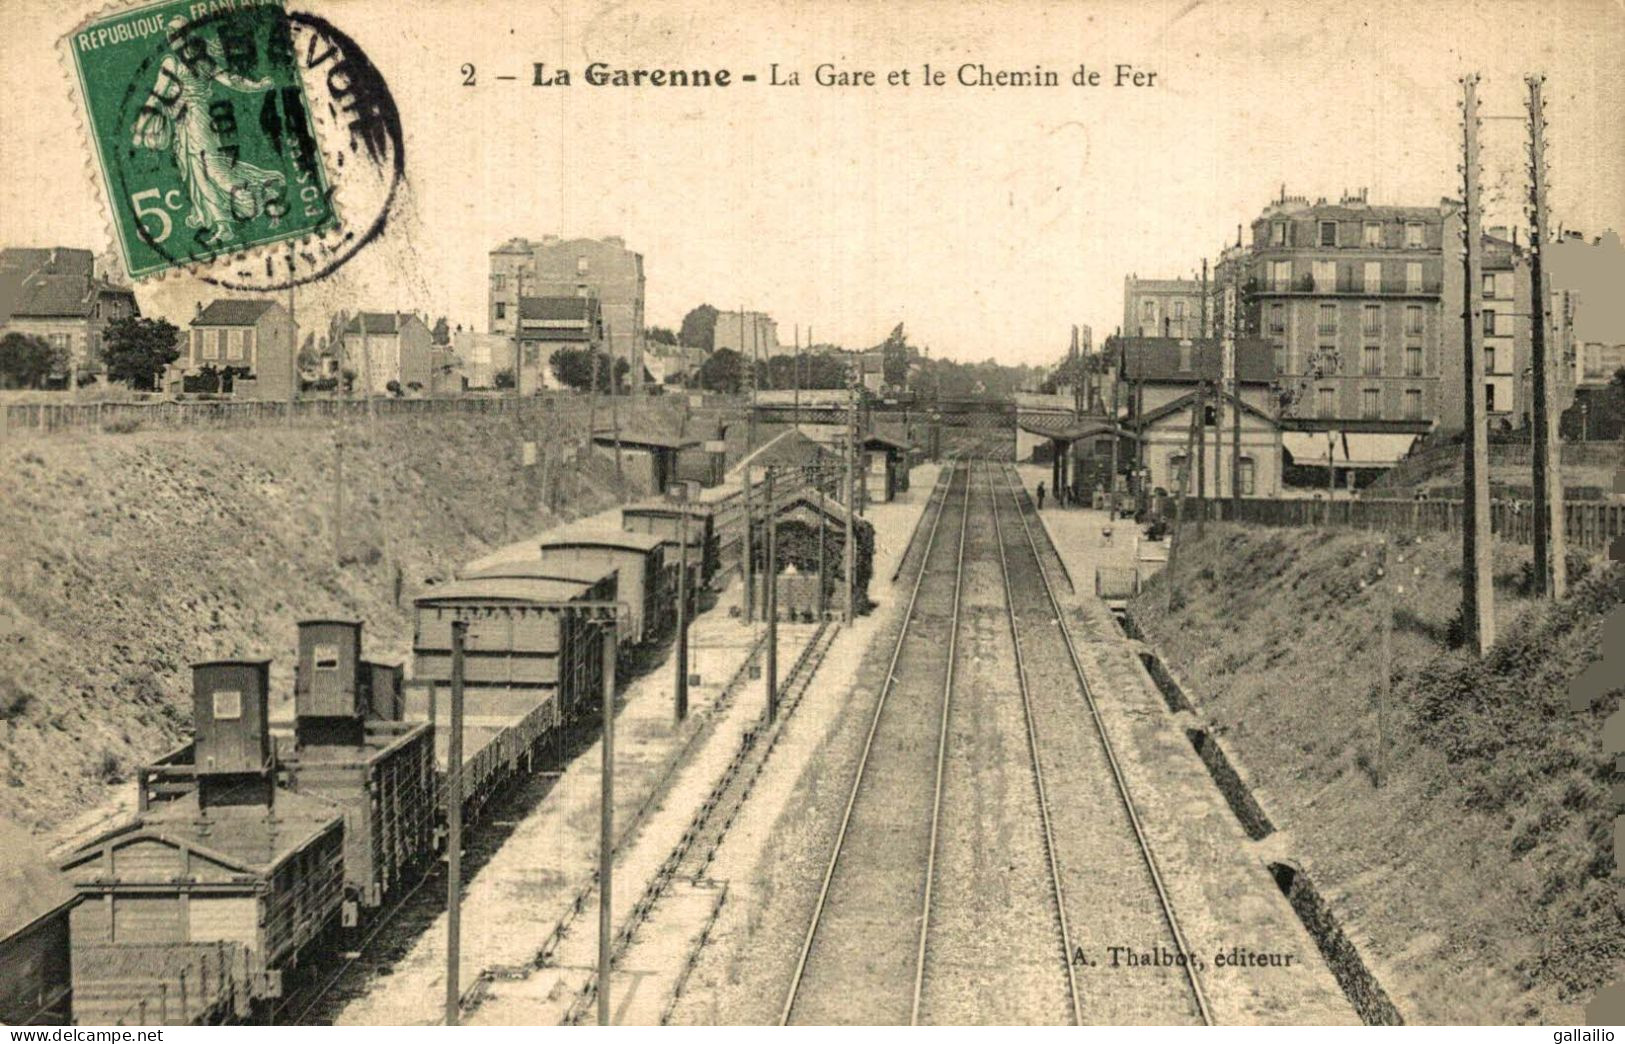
790 449
1067 429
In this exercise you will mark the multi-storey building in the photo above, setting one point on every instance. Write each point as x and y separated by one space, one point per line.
752 334
1502 335
55 293
555 267
1349 297
389 347
254 337
1162 307
548 324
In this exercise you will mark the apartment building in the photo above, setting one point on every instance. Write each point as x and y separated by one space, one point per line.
1162 307
557 267
752 334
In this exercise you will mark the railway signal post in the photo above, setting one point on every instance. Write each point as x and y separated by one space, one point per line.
454 827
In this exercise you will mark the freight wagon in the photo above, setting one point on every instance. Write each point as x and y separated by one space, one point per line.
644 583
197 907
35 900
664 519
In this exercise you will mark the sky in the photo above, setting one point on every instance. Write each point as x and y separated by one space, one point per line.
987 220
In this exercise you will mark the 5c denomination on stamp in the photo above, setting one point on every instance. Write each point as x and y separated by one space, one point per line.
198 116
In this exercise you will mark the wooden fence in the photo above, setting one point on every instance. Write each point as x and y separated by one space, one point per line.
1591 525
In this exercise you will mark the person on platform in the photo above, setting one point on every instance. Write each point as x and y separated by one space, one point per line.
1040 496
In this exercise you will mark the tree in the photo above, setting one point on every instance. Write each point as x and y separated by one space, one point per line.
503 378
699 329
26 361
662 335
724 371
578 368
309 356
442 331
894 358
136 350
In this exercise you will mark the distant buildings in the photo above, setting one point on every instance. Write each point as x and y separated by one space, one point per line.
752 334
1588 311
483 355
671 363
254 336
387 347
548 324
555 267
55 293
1162 307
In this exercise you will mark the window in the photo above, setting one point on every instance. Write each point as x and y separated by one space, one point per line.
228 704
499 282
1185 357
211 346
1373 234
1370 403
1413 404
1179 309
1413 361
1246 469
1328 319
1413 277
1176 469
1413 235
1278 234
1373 277
1413 319
1489 284
1281 275
1328 233
1277 318
1489 322
197 345
325 657
248 342
1148 311
1326 359
1327 402
502 310
1371 361
234 345
1371 319
581 265
1280 357
1325 275
1489 398
1489 360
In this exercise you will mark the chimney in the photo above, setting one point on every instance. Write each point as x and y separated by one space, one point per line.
198 310
330 687
232 749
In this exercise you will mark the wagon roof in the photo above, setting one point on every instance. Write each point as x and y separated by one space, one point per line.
536 569
242 837
507 588
668 508
30 886
600 536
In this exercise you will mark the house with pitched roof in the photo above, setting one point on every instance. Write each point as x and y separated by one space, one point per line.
389 346
55 293
254 337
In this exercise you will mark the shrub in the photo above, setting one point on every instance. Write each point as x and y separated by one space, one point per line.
122 425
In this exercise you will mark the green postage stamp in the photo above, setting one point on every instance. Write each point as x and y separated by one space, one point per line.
198 115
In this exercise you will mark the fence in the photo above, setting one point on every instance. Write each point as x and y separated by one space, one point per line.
1590 525
23 418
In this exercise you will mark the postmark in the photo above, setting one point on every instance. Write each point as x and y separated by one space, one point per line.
198 116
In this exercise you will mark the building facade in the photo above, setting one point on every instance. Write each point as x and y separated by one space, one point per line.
555 267
547 324
751 334
1162 307
1348 295
55 293
1503 333
256 335
389 346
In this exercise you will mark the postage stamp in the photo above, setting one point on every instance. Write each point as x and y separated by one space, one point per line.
199 119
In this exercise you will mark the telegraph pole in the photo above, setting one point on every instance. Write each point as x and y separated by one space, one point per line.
614 400
750 364
1477 593
338 496
1550 550
681 685
796 379
454 826
771 578
1117 382
849 552
606 826
1201 407
1179 508
1232 327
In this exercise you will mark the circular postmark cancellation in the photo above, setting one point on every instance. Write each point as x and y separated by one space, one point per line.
256 147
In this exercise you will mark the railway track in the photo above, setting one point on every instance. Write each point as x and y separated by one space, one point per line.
1098 848
864 952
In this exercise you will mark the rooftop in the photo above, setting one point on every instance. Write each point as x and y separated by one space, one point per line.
535 568
381 323
506 589
789 449
1162 358
233 312
30 884
588 535
249 838
643 440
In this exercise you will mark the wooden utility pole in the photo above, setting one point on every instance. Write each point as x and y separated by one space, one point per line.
747 562
1232 332
1201 407
823 533
1550 550
1179 509
338 496
749 362
680 686
614 402
796 379
849 553
606 826
454 827
1477 592
1117 382
770 577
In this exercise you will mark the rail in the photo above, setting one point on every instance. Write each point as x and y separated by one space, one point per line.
1118 778
863 762
1038 770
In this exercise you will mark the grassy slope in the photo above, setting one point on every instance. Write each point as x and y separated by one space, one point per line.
1480 873
128 557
